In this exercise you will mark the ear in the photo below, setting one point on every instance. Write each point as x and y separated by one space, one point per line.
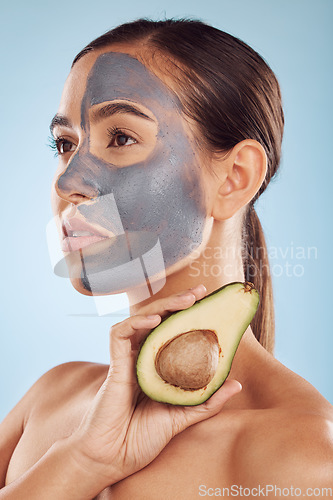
240 178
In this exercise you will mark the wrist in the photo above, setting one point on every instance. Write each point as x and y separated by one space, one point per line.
97 474
89 477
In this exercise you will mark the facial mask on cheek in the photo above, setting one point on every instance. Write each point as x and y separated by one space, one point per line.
154 208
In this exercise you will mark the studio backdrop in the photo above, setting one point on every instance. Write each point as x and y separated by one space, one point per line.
43 320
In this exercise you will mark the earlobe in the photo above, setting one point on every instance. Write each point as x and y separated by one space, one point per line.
244 172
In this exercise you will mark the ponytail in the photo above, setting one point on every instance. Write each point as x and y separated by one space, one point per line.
257 271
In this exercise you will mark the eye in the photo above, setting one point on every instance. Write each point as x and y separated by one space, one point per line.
60 145
64 145
119 138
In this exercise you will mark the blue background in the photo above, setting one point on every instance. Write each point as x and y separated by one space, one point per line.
44 321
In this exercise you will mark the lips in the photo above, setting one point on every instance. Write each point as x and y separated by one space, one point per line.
79 234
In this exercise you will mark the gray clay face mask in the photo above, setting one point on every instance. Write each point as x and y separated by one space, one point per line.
154 207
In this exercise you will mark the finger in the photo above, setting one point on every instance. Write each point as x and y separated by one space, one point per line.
189 415
123 332
175 302
125 335
131 325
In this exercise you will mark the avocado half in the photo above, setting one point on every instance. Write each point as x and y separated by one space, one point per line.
188 356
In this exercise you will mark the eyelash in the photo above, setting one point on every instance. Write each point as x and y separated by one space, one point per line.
113 132
54 144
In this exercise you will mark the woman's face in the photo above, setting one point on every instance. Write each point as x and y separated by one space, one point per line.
128 193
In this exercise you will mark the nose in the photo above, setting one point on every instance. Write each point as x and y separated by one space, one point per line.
78 182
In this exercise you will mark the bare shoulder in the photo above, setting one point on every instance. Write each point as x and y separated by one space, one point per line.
65 382
52 390
288 448
59 383
289 443
73 372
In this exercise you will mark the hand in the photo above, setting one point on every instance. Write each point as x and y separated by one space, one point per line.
124 430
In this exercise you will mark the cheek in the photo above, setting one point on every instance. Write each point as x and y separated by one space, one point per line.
169 202
167 192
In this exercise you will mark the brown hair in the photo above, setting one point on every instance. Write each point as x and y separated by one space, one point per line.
232 94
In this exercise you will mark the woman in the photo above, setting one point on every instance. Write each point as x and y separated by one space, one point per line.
167 133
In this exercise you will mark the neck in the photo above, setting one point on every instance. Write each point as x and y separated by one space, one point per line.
248 368
214 266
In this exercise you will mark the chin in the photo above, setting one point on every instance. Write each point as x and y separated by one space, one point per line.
108 284
80 287
96 275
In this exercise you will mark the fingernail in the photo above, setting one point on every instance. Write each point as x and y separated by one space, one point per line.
199 287
240 387
153 316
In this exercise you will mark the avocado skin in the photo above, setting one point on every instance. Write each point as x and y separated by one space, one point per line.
228 311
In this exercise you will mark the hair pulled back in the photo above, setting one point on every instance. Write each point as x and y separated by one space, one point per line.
232 94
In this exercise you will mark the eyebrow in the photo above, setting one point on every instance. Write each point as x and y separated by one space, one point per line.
59 120
117 108
100 114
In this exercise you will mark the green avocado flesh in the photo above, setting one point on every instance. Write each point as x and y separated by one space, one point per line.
188 356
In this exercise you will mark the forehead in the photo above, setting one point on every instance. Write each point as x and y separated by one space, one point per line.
108 76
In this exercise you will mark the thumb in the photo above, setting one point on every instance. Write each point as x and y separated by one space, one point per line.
229 389
193 414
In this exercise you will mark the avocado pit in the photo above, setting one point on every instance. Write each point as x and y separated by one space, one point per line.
189 360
